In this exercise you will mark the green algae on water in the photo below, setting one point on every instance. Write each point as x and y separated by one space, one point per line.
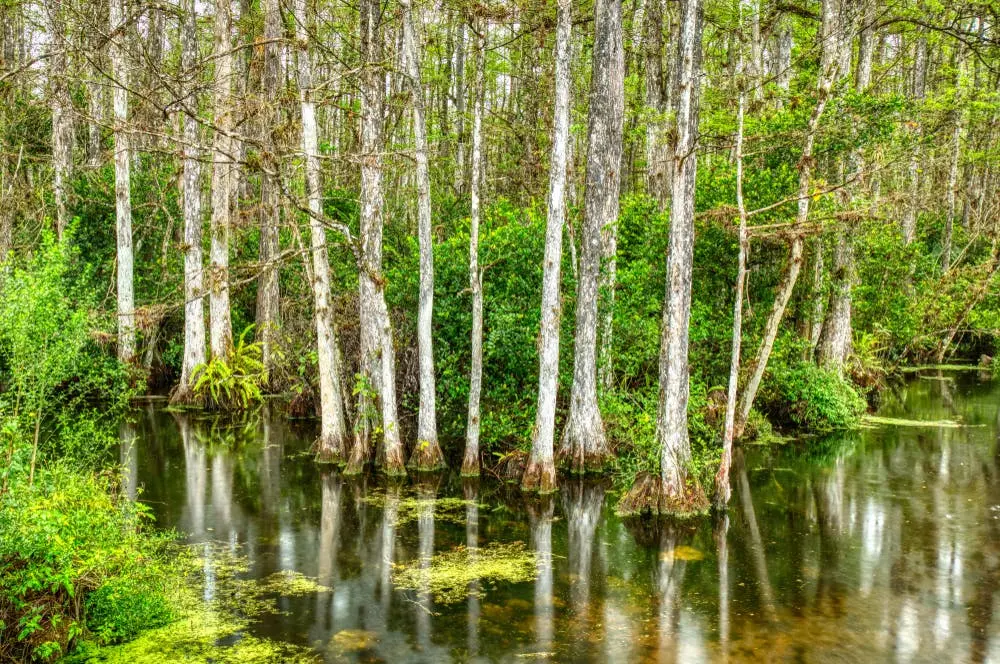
409 509
202 625
448 576
872 420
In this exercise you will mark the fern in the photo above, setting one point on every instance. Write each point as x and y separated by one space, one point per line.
236 381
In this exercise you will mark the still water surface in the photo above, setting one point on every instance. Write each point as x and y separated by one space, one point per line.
881 545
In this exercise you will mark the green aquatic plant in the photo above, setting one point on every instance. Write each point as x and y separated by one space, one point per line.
409 509
448 576
214 630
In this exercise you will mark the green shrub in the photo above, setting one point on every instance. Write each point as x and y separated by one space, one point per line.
812 398
75 557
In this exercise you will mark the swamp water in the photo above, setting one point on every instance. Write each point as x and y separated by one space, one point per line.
880 545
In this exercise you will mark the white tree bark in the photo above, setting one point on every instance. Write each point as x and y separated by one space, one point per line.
331 446
909 224
427 453
956 149
194 287
378 360
658 161
62 108
268 287
470 462
123 199
723 486
836 339
221 328
540 474
460 47
584 447
671 424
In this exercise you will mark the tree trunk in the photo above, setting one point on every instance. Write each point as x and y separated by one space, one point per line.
221 329
827 74
658 162
427 453
909 225
956 148
836 338
583 447
671 425
540 474
268 287
331 446
723 487
194 305
470 463
378 360
816 317
460 106
62 110
123 199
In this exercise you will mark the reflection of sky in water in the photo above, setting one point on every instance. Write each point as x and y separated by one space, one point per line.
878 545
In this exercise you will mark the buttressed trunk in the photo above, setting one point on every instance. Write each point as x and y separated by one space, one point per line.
584 447
378 361
671 421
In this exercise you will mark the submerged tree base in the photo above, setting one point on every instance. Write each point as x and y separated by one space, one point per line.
539 477
470 466
183 396
426 457
330 450
648 496
579 460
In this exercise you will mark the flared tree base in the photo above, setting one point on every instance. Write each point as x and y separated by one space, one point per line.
470 466
539 477
426 457
330 449
578 458
583 448
183 396
649 496
392 465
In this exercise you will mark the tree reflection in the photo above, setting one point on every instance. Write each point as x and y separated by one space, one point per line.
540 513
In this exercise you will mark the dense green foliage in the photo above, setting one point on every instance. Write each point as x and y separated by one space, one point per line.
77 557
